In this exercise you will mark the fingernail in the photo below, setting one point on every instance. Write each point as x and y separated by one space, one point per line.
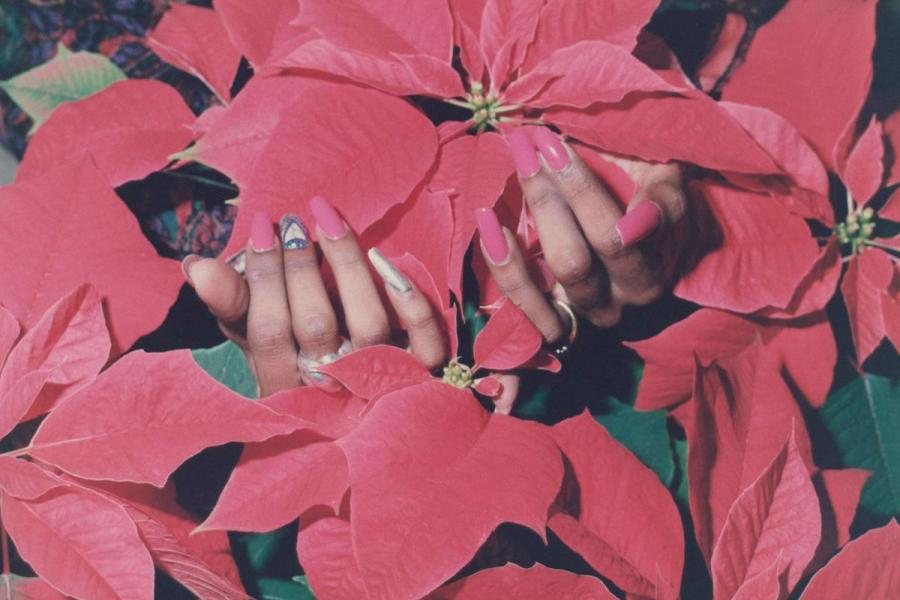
294 234
391 274
523 153
492 237
327 218
312 377
262 236
639 223
551 148
186 265
238 261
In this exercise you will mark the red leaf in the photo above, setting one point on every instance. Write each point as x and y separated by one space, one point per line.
615 497
193 39
277 480
14 587
866 568
329 414
824 88
777 515
509 340
891 208
9 333
817 287
743 410
375 371
489 386
512 582
507 28
81 543
564 23
129 128
162 401
382 158
588 72
760 256
43 263
470 52
766 585
407 467
325 549
864 171
24 480
867 278
691 129
807 350
61 353
259 28
474 170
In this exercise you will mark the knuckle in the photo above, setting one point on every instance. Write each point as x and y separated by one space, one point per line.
649 295
609 245
316 329
371 336
418 316
572 267
608 316
513 287
300 262
266 271
270 337
577 183
347 261
431 359
545 195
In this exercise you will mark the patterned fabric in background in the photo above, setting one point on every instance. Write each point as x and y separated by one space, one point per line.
179 216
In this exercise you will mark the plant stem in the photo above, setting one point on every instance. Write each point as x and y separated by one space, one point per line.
16 453
882 246
849 204
460 103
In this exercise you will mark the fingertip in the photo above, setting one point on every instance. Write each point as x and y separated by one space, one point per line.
220 287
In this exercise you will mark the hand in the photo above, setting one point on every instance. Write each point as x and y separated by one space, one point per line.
601 259
280 313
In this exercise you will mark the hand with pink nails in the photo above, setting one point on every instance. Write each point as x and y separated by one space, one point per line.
280 313
602 259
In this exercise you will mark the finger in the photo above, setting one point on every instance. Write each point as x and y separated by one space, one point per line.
633 272
269 317
503 404
223 291
366 318
313 321
426 338
511 274
565 250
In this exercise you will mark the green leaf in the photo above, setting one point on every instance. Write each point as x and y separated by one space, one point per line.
284 589
864 419
66 77
644 433
226 363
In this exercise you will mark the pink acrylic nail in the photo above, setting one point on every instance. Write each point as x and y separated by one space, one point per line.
492 237
639 223
327 218
262 234
523 153
551 148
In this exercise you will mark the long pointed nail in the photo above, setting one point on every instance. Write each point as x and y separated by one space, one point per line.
639 223
186 265
327 218
294 234
262 235
551 148
390 273
523 153
492 237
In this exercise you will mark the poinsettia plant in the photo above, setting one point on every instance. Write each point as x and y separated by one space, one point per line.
744 447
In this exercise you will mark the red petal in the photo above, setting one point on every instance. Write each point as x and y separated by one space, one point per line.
9 333
129 128
777 515
580 75
277 480
507 28
325 549
564 23
474 170
660 128
81 543
743 410
759 242
508 341
470 52
831 81
407 467
162 401
374 371
864 171
24 480
330 415
61 353
866 568
808 351
867 278
617 496
193 39
42 262
817 287
489 386
512 582
764 585
14 587
891 208
257 29
382 158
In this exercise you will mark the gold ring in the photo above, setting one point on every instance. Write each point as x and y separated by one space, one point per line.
573 332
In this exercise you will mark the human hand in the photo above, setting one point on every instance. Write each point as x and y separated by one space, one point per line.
280 313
